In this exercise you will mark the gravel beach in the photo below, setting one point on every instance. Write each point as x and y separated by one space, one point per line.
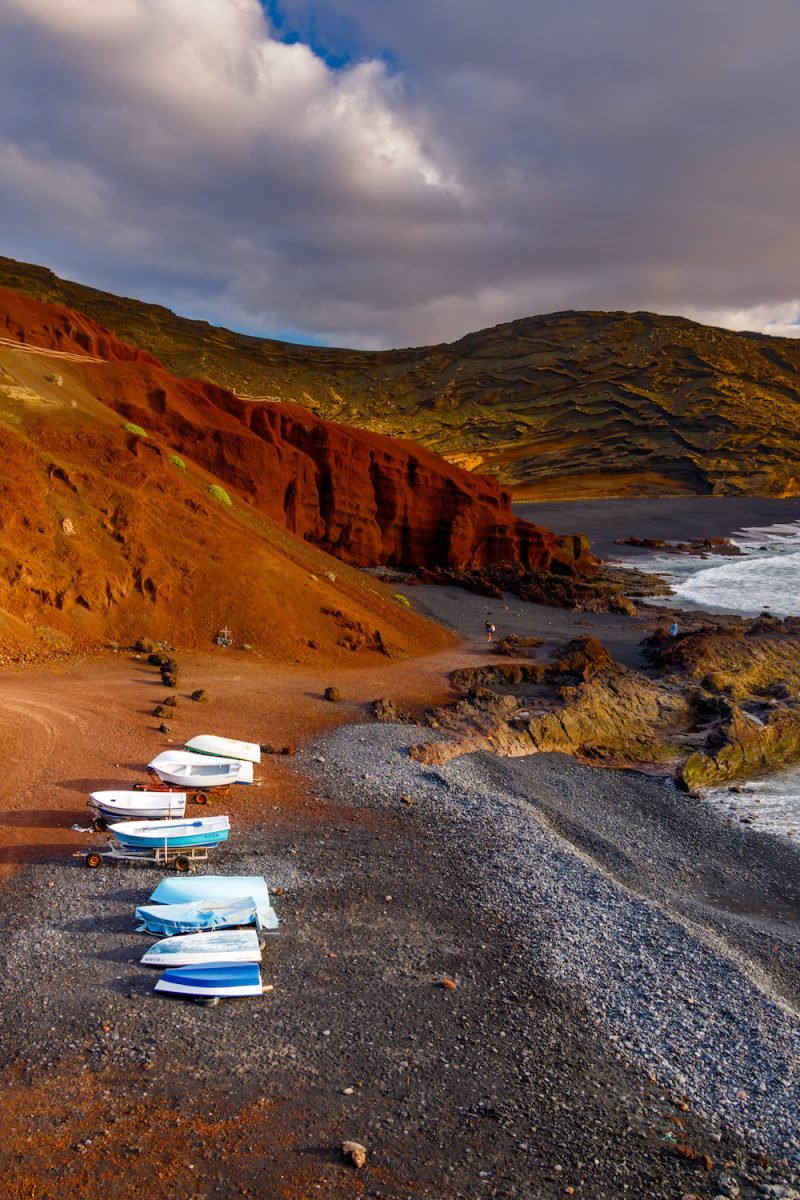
522 978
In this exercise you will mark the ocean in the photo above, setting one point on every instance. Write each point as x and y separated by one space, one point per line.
766 577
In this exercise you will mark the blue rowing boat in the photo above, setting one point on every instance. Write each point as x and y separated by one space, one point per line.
172 835
212 979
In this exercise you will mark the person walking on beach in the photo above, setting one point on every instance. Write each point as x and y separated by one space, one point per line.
490 630
673 629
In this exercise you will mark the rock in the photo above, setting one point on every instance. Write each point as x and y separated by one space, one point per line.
163 728
387 711
727 1185
168 679
333 694
161 710
355 1152
406 799
170 701
448 984
201 696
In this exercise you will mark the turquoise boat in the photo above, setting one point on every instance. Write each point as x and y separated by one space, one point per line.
172 835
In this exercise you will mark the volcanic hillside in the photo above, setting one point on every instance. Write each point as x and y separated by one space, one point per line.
133 503
564 405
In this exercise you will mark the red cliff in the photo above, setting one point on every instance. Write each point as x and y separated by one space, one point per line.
366 498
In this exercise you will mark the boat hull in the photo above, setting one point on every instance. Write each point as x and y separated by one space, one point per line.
182 769
192 949
214 979
218 889
172 835
170 919
138 806
221 747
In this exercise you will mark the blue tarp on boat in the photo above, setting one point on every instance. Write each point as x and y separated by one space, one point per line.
213 890
169 919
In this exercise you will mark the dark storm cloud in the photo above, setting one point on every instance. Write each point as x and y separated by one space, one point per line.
470 163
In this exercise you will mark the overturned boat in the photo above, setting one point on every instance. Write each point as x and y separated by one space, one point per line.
219 889
171 835
214 980
222 747
124 806
171 919
192 949
186 770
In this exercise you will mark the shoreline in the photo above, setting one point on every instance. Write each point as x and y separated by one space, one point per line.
673 520
626 964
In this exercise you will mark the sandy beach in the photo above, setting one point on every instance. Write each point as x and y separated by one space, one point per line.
625 958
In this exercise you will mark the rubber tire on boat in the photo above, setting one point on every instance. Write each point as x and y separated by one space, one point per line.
200 798
182 864
93 860
99 824
262 943
207 1001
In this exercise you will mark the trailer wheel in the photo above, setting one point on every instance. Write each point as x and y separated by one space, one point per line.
93 860
200 798
182 864
207 1001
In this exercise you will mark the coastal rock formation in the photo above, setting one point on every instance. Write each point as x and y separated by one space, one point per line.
582 703
567 404
693 714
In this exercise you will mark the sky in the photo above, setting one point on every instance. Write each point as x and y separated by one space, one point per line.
374 173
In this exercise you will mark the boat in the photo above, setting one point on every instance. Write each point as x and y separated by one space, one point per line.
190 949
212 979
187 770
197 831
222 747
143 805
170 919
218 889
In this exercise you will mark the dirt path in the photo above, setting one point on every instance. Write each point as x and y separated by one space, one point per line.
68 730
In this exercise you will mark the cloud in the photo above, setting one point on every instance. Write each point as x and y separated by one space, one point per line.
465 166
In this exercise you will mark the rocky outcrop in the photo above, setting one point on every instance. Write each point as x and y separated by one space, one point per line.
708 726
744 745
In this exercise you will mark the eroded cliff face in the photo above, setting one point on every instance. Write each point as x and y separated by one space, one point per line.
568 404
107 533
365 498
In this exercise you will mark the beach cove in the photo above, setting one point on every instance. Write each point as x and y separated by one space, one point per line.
625 958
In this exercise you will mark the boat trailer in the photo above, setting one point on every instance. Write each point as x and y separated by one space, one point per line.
180 858
195 795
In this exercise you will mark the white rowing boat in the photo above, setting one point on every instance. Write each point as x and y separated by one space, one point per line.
187 770
138 806
222 747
